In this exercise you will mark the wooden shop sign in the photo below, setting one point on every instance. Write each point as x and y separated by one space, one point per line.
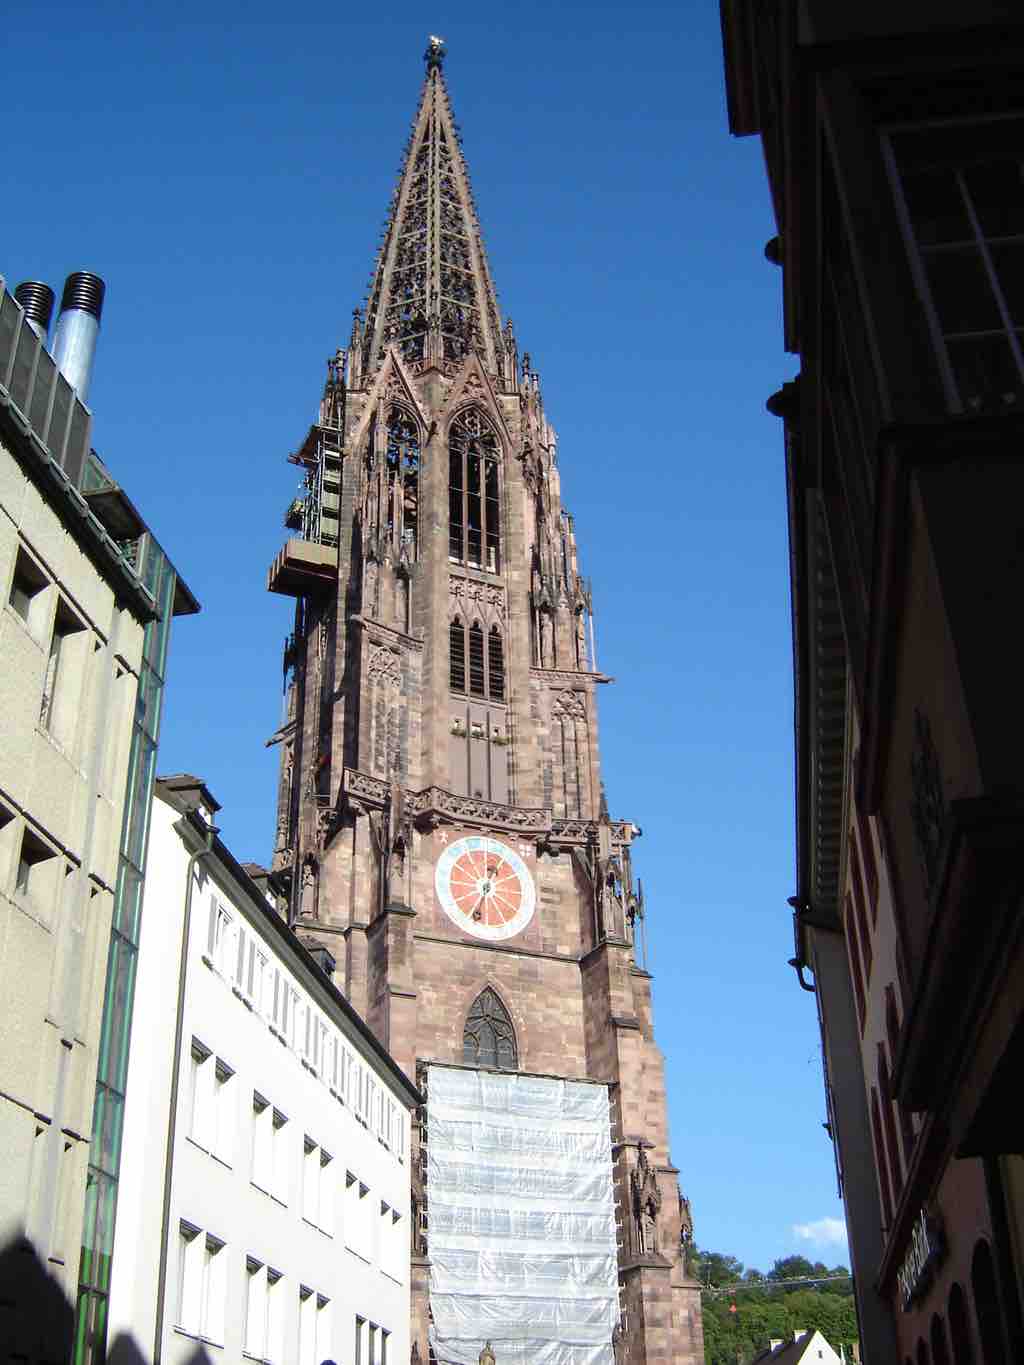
926 1250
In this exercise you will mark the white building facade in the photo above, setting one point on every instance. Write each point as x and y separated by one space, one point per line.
264 1206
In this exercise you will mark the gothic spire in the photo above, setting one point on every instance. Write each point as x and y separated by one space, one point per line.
431 294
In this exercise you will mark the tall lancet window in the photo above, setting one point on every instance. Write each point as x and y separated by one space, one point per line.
474 502
489 1038
486 655
402 462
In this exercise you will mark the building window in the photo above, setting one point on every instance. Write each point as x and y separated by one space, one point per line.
358 1217
201 1285
489 1038
269 1149
220 936
60 704
359 1350
486 651
212 1098
474 504
892 1033
402 463
314 1326
857 885
457 656
391 1252
888 1123
38 872
280 1004
317 1186
853 949
264 1312
962 208
28 583
881 1164
495 665
867 849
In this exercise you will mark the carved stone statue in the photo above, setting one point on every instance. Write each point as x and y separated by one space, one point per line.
646 1198
309 879
487 1355
685 1230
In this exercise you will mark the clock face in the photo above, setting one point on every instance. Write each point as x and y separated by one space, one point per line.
485 887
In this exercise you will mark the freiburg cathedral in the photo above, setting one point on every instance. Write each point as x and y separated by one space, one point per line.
442 820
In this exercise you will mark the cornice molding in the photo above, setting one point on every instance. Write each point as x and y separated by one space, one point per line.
389 634
561 677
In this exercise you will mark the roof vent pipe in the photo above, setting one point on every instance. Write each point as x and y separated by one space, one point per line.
74 342
36 299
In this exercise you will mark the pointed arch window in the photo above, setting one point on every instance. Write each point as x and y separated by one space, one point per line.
495 665
474 499
485 653
477 676
489 1038
457 656
402 462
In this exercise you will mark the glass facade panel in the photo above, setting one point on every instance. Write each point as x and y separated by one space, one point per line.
962 293
961 188
997 192
115 1028
128 901
1008 264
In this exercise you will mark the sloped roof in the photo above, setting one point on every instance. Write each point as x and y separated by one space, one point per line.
792 1352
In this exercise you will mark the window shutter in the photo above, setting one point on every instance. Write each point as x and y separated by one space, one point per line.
240 959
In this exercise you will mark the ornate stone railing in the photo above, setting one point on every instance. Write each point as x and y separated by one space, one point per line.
437 803
585 831
363 787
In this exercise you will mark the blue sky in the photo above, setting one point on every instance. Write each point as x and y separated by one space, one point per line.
227 173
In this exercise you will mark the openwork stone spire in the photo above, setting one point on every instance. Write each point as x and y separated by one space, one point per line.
431 294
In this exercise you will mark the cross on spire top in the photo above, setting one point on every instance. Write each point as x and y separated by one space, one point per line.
435 53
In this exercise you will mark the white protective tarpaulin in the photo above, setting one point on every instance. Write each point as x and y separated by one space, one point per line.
521 1219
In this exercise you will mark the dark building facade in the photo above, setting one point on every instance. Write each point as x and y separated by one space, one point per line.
894 143
441 812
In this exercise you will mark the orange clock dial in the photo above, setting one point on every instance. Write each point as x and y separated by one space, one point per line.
485 887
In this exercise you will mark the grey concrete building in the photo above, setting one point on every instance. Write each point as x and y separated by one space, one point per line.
87 600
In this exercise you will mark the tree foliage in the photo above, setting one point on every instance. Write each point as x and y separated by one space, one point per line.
764 1310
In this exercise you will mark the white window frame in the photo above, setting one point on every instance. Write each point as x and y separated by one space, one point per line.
314 1326
201 1283
211 1100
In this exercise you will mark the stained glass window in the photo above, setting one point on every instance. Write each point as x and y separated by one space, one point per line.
489 1038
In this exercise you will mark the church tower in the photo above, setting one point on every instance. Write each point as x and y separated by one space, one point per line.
441 813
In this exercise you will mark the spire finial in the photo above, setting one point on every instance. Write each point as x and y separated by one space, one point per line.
435 53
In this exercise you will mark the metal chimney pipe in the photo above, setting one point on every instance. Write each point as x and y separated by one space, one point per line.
74 342
36 299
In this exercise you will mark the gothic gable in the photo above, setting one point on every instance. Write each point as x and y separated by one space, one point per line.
473 388
392 384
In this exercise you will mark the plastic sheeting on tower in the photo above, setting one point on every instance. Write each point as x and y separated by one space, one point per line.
521 1219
